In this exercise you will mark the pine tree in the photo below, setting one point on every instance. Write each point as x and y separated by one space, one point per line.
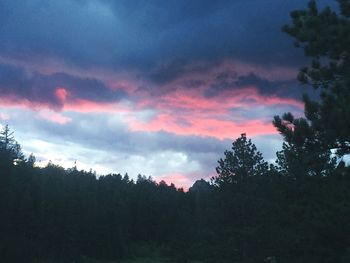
302 153
10 150
324 36
7 140
242 162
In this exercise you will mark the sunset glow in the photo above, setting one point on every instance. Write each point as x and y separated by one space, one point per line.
127 95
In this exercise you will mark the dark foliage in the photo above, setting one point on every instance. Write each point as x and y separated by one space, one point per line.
297 210
325 37
264 215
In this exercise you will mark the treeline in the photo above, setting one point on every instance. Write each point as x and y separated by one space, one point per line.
63 214
296 210
249 213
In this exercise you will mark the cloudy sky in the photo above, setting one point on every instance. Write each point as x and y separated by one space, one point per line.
155 87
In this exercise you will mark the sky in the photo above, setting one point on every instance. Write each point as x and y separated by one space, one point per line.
159 88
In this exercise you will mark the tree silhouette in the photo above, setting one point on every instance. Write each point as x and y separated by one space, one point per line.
10 150
324 36
302 153
298 212
7 140
242 162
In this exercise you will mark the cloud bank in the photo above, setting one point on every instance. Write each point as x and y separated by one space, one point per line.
157 87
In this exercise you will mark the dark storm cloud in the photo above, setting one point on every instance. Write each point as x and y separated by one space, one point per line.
168 72
285 88
17 84
160 45
223 81
140 34
231 80
78 33
253 80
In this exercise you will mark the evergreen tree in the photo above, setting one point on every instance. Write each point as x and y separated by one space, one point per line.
302 153
324 36
242 162
10 150
7 140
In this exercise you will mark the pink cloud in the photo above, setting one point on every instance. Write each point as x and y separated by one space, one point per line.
61 94
55 117
212 127
11 101
74 105
195 100
180 110
189 112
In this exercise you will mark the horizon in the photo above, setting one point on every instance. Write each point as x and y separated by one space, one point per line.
158 89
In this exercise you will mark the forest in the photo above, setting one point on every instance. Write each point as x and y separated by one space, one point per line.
294 210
